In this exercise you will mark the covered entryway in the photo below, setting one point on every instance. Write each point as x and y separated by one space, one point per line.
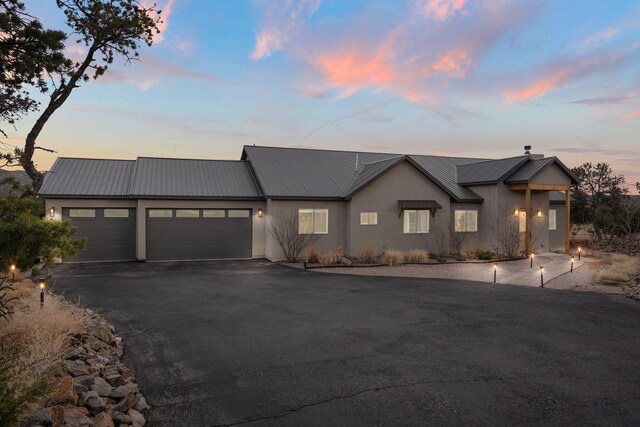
198 234
109 233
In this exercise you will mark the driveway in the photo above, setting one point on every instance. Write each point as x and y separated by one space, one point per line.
250 342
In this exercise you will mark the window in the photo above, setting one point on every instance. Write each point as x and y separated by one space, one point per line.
187 213
82 213
416 221
466 221
313 221
552 219
368 218
239 214
214 213
160 213
116 213
523 222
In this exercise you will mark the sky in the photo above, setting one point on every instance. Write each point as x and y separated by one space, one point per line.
469 78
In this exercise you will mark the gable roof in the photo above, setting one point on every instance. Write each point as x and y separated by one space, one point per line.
330 174
88 177
489 171
188 178
532 168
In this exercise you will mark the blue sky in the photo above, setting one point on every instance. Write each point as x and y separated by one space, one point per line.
454 77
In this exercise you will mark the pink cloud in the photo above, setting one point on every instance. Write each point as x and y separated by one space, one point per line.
633 114
441 9
455 63
596 39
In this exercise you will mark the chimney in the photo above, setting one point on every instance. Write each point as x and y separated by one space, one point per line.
527 150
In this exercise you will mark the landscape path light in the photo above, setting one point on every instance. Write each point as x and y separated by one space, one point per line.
579 252
41 292
572 259
495 271
13 271
531 260
541 276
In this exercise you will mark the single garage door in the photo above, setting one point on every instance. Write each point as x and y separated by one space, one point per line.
174 234
109 233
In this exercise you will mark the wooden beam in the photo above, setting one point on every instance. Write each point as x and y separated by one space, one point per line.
529 222
567 222
541 187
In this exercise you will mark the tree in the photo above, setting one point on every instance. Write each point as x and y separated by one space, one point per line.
25 237
107 29
284 228
598 186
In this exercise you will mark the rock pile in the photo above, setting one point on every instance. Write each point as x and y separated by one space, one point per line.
96 389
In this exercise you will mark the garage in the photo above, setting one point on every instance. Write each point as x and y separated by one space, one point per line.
109 233
198 234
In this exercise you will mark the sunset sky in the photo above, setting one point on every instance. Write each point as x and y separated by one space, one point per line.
449 77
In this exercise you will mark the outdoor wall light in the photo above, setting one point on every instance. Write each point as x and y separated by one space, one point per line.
516 212
260 212
52 211
41 292
539 213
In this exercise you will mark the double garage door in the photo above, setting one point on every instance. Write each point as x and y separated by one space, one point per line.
172 234
192 234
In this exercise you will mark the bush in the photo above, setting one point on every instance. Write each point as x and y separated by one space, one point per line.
333 257
620 269
367 255
417 255
485 255
392 257
313 257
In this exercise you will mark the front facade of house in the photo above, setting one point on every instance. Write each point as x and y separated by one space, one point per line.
178 209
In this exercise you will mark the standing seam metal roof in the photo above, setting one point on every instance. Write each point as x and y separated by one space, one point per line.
488 171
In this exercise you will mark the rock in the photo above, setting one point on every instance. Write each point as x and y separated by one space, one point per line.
93 342
137 419
76 368
103 420
101 332
142 405
123 390
94 403
57 415
126 403
65 393
75 417
345 261
79 388
40 418
126 373
85 380
102 387
119 418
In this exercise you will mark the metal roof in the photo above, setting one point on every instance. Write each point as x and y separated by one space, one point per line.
88 177
533 167
306 173
160 177
488 171
419 204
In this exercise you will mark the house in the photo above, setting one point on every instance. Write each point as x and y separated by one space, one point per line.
178 209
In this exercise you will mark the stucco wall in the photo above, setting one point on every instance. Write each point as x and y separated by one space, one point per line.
556 237
402 182
552 175
336 237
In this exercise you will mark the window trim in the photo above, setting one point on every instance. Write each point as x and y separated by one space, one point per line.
466 220
417 211
313 219
555 220
368 216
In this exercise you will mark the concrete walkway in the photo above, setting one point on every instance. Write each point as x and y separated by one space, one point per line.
554 265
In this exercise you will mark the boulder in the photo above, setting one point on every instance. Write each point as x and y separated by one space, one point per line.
65 393
76 368
137 419
101 332
119 418
345 261
102 387
74 417
85 380
142 406
126 373
57 415
40 418
94 403
123 390
103 420
126 403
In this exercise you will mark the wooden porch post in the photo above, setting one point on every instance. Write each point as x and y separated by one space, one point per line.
567 221
528 233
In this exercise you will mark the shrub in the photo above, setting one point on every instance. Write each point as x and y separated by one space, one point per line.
313 257
392 257
485 255
6 309
417 255
367 255
333 257
620 269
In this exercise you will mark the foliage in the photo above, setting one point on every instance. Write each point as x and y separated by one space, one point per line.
392 257
106 29
506 232
485 255
26 237
6 310
333 257
284 228
619 269
417 255
313 257
367 255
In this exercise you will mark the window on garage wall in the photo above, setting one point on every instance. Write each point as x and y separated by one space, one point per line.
82 213
116 213
187 213
160 213
214 213
313 221
239 213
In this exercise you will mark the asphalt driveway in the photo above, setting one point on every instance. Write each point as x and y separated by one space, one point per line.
250 342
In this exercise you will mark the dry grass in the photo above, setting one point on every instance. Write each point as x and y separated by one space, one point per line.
333 257
37 337
392 257
367 255
416 255
619 269
313 257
